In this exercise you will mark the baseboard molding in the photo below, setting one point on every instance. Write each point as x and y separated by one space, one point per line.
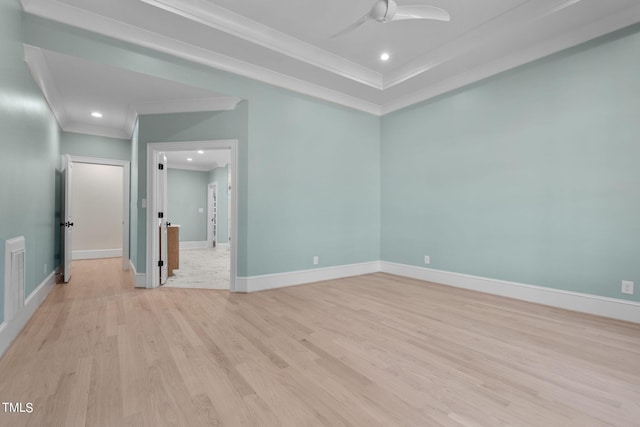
97 253
139 279
11 329
194 245
293 278
601 306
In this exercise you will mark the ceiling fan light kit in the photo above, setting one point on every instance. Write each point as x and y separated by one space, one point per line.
388 10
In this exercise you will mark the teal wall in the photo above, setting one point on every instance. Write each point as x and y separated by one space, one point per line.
290 208
527 176
30 149
79 144
220 176
314 183
530 176
186 193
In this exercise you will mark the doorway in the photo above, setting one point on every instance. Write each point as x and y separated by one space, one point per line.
97 192
155 191
73 188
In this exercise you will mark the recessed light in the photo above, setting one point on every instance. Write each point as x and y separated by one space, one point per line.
384 57
96 114
200 152
189 159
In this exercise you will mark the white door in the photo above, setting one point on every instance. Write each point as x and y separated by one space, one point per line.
161 197
66 217
212 209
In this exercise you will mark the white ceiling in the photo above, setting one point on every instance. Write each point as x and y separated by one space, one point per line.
205 161
286 42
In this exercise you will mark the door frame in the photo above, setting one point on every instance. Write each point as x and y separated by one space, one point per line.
152 209
126 175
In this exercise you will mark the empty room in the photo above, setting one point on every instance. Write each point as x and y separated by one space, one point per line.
326 213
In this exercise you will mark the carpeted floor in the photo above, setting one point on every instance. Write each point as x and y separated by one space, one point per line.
202 269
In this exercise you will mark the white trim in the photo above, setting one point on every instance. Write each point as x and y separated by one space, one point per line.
302 277
600 306
11 329
223 246
43 77
139 279
193 245
222 103
95 129
126 188
153 148
239 26
96 254
10 246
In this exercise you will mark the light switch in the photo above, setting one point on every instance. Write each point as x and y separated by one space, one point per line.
200 210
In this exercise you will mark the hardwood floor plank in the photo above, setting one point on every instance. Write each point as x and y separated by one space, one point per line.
79 395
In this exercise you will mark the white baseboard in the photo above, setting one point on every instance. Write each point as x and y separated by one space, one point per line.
194 245
139 279
11 329
280 280
585 303
97 253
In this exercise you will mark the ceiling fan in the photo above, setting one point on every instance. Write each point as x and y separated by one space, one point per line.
388 10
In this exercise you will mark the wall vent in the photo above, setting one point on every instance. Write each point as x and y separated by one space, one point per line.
14 277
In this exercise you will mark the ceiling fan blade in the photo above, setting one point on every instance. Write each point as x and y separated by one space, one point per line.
421 12
351 27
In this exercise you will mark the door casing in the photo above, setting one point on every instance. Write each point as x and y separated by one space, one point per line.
153 148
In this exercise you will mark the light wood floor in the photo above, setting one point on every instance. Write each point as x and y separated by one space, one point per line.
375 350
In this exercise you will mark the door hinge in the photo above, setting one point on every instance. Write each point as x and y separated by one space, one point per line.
160 263
160 166
160 214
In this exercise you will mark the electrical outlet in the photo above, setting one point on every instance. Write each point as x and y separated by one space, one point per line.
427 259
627 287
315 260
200 210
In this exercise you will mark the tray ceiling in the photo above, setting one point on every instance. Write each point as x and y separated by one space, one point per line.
287 43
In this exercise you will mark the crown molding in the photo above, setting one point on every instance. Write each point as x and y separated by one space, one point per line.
94 129
80 18
42 76
222 19
556 44
223 103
